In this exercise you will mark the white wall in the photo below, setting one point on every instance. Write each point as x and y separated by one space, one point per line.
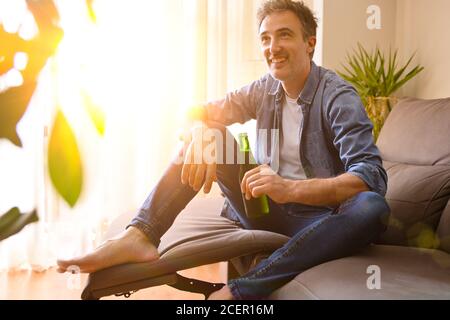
345 24
420 26
424 26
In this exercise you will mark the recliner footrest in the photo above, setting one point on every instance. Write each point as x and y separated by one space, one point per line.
199 236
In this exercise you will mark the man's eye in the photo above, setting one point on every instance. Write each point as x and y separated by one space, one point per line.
264 39
285 35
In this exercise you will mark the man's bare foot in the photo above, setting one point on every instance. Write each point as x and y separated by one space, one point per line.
130 246
222 294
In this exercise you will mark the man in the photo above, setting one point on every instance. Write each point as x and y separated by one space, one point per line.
327 192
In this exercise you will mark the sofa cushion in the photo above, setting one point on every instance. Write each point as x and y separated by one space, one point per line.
416 155
417 132
405 273
444 229
417 195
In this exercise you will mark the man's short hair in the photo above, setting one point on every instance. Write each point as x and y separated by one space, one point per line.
304 14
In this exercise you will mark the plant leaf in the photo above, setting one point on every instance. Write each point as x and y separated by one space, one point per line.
13 105
64 161
382 71
14 101
95 113
91 12
13 221
391 71
408 77
399 73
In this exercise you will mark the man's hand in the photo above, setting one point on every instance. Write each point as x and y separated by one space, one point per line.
263 180
197 170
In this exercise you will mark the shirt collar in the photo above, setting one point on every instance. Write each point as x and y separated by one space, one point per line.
307 94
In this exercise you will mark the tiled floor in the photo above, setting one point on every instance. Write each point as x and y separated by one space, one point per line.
50 285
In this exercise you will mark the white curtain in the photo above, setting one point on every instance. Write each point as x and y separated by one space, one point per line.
144 62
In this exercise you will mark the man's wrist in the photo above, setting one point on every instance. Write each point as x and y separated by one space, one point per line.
293 187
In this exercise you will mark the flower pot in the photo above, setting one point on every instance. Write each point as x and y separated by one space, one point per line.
378 109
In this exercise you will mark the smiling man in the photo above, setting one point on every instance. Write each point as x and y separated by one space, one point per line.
325 191
287 49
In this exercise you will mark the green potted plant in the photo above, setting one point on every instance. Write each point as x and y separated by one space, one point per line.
376 77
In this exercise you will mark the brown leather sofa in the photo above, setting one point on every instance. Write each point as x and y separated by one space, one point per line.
411 259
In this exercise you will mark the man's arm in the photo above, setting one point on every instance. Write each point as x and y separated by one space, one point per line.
313 192
238 106
326 192
351 132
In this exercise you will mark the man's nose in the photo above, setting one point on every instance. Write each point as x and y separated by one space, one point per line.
274 47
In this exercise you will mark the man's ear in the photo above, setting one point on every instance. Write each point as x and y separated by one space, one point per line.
312 44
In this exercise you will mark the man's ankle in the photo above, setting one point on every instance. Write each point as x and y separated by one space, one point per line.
136 233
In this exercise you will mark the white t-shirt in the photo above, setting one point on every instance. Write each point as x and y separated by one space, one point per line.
290 165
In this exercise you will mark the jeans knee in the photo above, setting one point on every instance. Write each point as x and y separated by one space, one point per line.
374 207
376 201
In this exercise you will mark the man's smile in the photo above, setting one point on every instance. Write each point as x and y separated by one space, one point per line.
277 62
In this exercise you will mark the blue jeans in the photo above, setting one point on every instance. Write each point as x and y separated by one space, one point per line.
318 234
329 235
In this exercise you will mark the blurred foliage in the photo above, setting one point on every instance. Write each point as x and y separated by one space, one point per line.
64 160
13 104
89 5
95 113
14 101
13 221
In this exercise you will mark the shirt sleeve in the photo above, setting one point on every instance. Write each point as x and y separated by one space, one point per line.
352 137
238 106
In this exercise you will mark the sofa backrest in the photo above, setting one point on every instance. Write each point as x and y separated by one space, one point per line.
415 147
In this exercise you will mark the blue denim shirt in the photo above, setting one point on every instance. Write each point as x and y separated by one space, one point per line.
335 136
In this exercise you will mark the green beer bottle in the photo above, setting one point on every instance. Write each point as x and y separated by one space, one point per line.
255 207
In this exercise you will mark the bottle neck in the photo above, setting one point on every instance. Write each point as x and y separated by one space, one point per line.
243 143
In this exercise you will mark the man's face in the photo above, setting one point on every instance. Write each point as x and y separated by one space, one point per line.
287 53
